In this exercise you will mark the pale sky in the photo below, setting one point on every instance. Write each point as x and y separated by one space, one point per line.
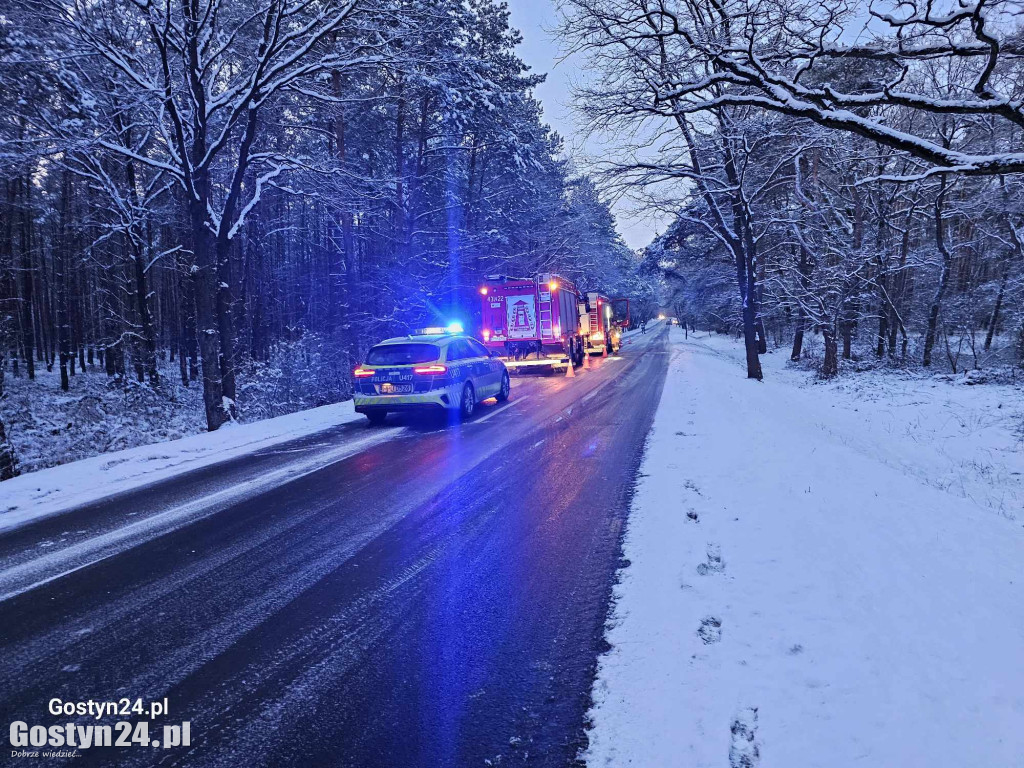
537 20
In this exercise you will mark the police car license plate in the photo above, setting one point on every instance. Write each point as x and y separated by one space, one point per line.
394 389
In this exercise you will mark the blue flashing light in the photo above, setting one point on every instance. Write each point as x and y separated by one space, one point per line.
455 327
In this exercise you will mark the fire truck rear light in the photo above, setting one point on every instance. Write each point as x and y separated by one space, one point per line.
362 373
431 369
483 291
487 335
553 285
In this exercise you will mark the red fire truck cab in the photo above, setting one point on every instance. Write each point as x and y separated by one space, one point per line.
601 323
532 321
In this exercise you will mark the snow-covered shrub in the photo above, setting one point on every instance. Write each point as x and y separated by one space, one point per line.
300 374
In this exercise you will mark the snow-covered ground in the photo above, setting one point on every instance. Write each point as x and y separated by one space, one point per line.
820 574
49 427
49 491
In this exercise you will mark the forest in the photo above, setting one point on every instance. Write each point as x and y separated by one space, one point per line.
210 208
843 172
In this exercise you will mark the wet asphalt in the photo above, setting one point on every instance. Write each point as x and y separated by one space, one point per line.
435 598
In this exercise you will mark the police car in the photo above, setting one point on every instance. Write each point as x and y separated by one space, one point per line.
434 368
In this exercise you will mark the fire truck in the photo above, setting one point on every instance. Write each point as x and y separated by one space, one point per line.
532 322
601 323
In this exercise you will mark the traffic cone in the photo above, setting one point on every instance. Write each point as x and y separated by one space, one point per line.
570 372
604 350
586 359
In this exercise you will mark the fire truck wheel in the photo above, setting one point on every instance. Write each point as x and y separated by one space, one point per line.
506 387
468 402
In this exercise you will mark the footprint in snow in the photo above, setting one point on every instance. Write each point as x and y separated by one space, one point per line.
715 564
743 748
710 630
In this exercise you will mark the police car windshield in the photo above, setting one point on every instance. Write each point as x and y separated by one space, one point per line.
402 354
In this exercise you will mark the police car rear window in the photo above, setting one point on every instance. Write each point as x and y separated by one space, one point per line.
402 354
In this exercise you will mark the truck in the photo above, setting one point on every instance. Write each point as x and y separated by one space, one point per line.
601 323
532 322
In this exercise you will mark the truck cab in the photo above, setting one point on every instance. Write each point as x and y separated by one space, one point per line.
601 322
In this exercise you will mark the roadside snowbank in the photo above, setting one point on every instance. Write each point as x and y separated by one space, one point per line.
963 438
47 492
806 588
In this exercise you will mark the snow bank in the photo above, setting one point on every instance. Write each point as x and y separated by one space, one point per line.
963 438
50 491
803 590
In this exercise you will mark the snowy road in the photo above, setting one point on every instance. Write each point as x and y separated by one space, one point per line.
434 599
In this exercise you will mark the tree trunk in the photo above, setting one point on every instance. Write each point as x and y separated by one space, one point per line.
8 462
351 303
848 325
745 268
203 284
225 325
940 243
883 331
830 365
993 321
798 338
804 270
187 315
222 244
28 332
139 256
398 230
750 338
60 278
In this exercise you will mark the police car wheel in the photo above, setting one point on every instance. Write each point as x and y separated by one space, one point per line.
376 417
468 402
506 387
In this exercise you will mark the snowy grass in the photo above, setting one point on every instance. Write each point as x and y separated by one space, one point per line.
946 430
46 492
49 427
98 415
821 574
